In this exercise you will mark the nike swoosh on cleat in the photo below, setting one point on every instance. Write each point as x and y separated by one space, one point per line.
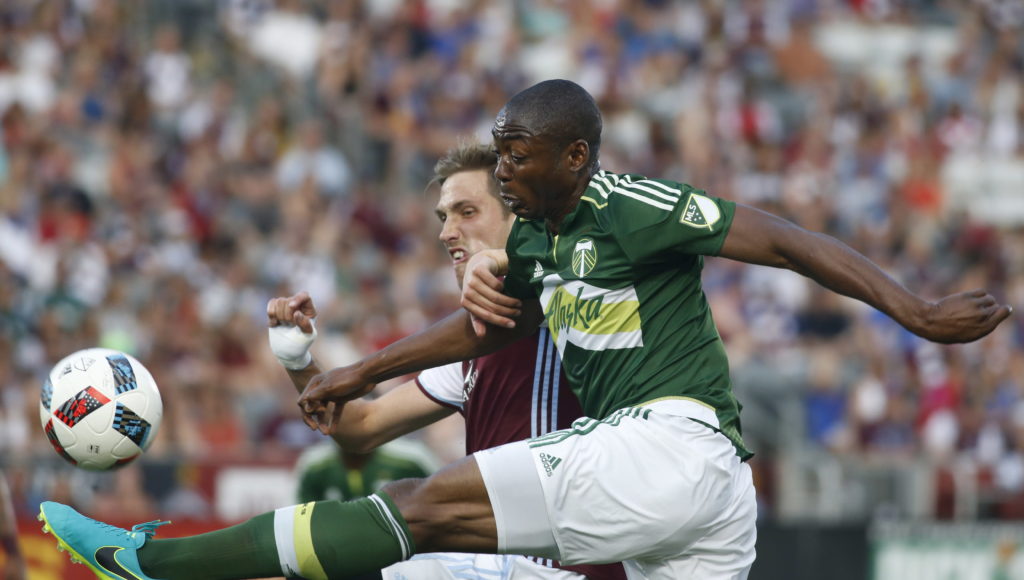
106 557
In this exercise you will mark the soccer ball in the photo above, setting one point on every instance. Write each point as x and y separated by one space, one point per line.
100 408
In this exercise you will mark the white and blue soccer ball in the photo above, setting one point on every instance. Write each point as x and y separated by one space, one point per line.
100 408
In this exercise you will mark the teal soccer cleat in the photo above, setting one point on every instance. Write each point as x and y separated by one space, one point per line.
109 551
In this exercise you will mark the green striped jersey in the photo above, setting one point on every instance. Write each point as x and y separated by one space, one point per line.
620 288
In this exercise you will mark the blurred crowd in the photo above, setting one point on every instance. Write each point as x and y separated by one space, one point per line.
167 167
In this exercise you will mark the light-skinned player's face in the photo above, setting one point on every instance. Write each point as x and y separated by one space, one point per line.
472 218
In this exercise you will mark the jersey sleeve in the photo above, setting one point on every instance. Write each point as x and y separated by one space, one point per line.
443 385
520 268
656 217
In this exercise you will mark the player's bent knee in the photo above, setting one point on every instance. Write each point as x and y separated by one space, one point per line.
448 511
401 490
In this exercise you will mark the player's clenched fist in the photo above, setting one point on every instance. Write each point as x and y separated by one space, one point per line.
291 329
481 291
963 317
297 310
325 395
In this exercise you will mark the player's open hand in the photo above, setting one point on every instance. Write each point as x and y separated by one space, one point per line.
963 317
324 396
297 310
481 292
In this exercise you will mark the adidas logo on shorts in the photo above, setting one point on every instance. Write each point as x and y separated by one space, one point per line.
550 462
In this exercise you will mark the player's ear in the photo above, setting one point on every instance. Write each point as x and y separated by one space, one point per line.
579 155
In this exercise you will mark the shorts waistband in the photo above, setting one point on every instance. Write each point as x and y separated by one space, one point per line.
684 407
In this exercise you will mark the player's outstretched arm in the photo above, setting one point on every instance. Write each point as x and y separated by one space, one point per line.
450 340
362 425
757 237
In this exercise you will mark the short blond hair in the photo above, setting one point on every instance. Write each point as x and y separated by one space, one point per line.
469 156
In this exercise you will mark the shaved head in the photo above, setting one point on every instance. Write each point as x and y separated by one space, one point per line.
559 110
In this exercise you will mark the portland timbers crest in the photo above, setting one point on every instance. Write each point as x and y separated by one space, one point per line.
584 257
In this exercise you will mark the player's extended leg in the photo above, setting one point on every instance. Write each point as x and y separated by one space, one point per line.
319 540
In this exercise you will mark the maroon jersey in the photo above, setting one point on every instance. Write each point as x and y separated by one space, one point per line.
516 393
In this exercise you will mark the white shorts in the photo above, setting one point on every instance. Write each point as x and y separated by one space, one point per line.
647 486
457 566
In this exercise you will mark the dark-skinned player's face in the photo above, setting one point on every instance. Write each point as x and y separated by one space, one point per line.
533 171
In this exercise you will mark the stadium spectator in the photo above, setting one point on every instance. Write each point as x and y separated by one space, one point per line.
313 160
14 560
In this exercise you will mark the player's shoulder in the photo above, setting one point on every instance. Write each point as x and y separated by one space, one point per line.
629 202
631 192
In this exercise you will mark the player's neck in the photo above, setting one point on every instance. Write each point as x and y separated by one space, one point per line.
556 221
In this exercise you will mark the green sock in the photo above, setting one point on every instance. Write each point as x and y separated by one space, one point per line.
374 536
319 540
243 551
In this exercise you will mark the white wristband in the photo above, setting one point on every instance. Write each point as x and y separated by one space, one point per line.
291 346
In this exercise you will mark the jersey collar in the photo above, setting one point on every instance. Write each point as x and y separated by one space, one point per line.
591 193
